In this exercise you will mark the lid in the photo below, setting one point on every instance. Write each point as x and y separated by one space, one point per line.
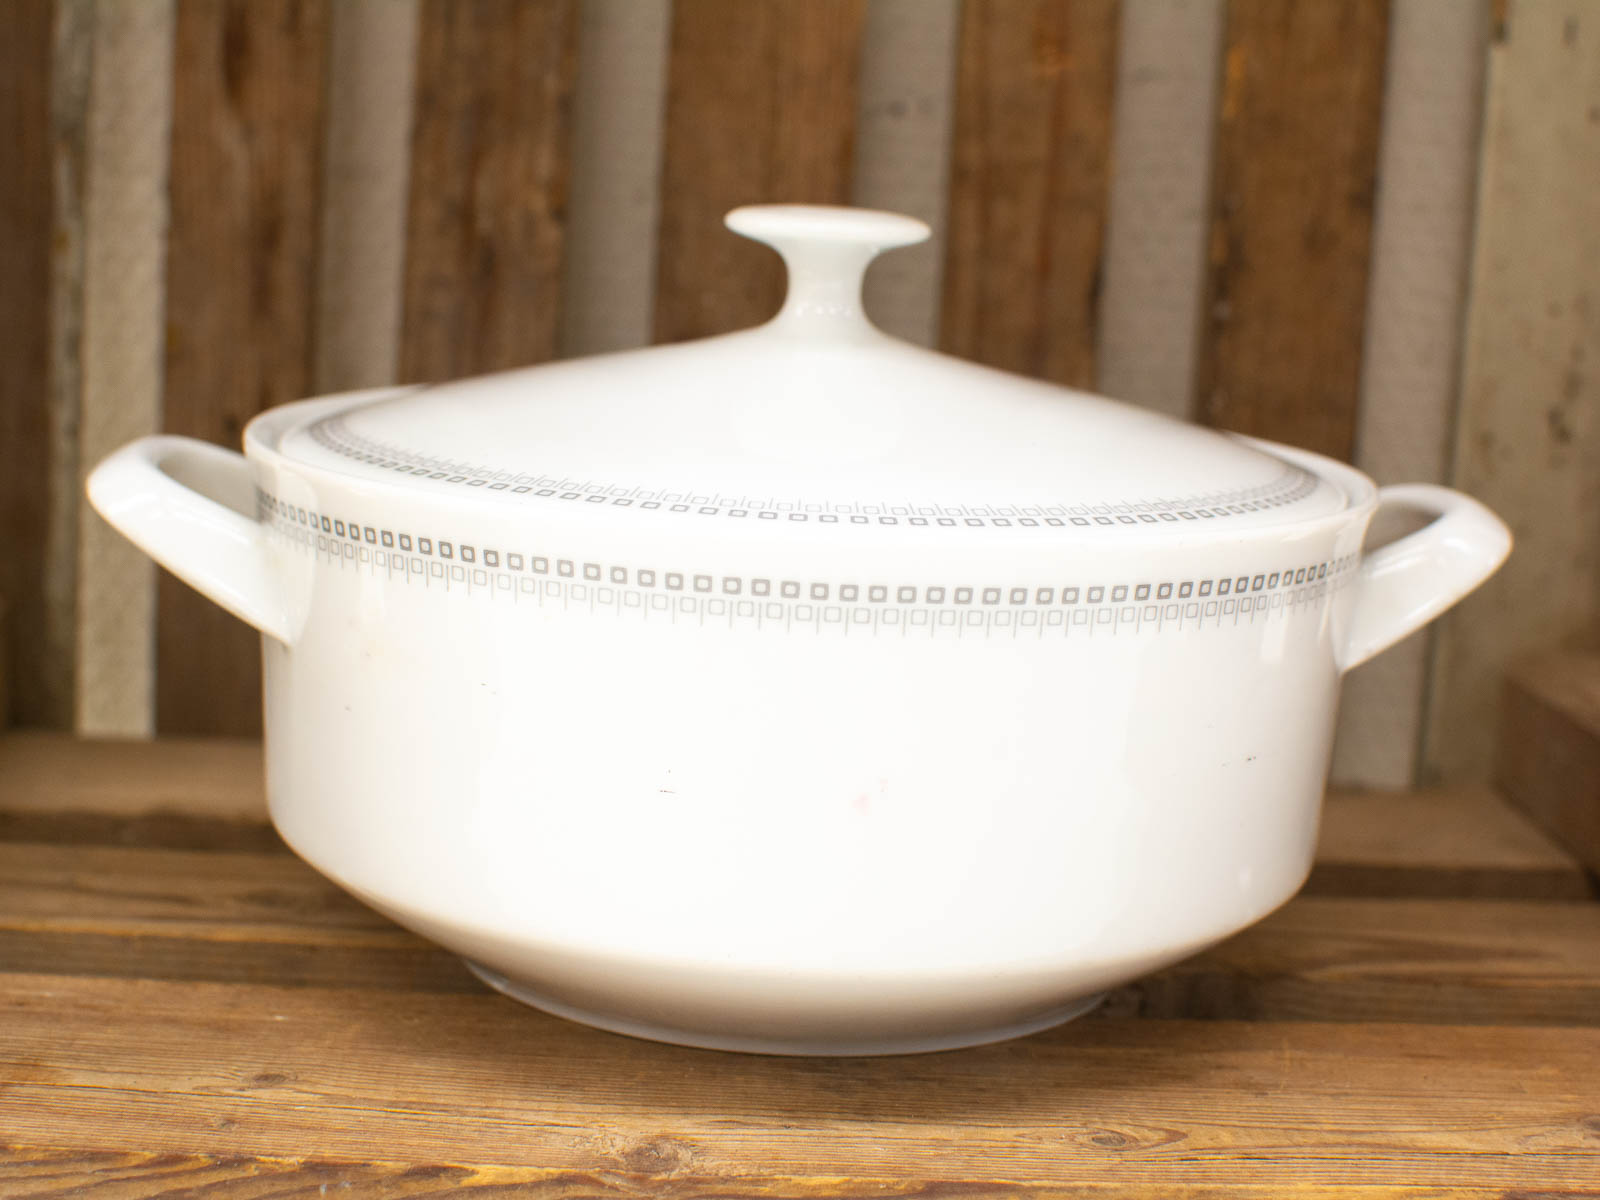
815 416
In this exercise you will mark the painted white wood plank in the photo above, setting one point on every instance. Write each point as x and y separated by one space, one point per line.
1528 435
130 119
608 289
366 164
1168 61
902 152
1416 301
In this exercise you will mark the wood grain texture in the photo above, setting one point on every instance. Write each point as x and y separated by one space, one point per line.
372 57
156 1066
1029 179
1548 762
902 152
247 116
1528 432
124 314
1169 54
1416 301
608 292
72 51
761 108
1292 200
203 792
240 917
38 1173
489 175
25 270
1463 842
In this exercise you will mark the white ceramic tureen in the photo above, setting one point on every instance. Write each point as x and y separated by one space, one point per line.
795 690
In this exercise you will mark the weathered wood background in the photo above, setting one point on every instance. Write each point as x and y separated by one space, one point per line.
1364 226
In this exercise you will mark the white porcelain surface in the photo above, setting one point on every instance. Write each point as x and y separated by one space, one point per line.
938 770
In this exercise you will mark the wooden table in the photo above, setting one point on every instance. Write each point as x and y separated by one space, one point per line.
187 1009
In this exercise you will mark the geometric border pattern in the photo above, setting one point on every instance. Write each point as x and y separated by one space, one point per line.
1292 484
960 607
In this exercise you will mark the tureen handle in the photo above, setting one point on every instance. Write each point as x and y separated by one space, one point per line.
827 251
1404 585
182 502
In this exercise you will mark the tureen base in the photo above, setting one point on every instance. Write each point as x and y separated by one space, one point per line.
705 1040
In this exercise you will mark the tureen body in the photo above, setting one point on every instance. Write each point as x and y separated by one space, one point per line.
770 717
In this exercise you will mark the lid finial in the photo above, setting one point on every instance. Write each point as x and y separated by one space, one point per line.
826 250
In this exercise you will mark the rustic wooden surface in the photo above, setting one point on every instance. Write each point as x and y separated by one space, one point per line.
1549 751
488 185
247 115
761 105
1293 180
1029 175
218 1019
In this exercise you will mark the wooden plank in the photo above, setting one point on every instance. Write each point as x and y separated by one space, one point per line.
1292 196
180 793
124 336
353 1074
488 185
37 1173
761 106
247 114
608 292
1168 62
1528 433
372 56
253 918
1416 302
1457 962
25 278
1029 181
1549 756
71 55
902 152
1449 842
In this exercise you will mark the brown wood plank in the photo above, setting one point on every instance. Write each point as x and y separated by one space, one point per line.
1030 176
37 1173
26 199
197 793
1292 201
1445 842
353 1074
1549 749
242 917
247 114
488 192
1461 962
761 107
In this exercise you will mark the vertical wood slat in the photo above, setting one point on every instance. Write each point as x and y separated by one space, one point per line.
488 192
1029 181
608 291
1416 298
1169 52
71 55
372 53
130 117
247 116
1294 168
25 264
1528 430
902 153
761 104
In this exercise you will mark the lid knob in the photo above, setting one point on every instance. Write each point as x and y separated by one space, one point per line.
826 250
